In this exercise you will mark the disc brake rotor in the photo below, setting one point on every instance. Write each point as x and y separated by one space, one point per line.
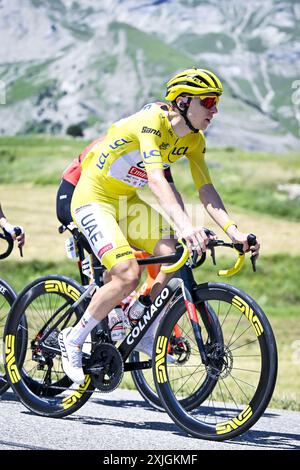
220 361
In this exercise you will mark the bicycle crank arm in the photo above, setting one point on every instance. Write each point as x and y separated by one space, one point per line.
129 366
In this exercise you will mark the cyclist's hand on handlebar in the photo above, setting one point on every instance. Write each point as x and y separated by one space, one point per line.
241 238
16 232
197 239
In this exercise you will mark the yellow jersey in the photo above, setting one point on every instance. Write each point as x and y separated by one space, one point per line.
133 146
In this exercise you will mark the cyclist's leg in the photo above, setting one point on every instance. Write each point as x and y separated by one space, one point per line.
155 236
162 247
152 272
149 231
98 223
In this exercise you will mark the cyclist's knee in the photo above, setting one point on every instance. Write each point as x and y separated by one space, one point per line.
128 274
165 247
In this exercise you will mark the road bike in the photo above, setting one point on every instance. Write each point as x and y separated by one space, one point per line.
7 298
87 263
226 356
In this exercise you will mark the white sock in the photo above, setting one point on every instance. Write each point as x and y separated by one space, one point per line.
80 331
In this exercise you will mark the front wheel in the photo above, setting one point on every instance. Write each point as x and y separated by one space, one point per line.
244 367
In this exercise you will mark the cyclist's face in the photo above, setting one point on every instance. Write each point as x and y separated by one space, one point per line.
200 116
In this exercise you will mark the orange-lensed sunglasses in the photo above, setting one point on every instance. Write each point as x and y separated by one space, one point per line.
207 101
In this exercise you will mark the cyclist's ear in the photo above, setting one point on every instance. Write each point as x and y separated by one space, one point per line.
180 103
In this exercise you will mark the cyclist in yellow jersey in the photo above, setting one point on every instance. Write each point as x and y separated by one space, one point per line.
135 152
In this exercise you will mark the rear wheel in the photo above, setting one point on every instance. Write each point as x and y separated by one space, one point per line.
34 370
244 367
7 297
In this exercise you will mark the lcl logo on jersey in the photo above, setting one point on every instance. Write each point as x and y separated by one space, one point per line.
151 153
119 143
102 160
179 150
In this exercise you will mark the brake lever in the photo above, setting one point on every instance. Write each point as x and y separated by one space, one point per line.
18 232
213 255
251 240
194 257
209 232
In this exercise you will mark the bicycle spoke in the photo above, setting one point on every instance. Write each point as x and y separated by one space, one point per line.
244 345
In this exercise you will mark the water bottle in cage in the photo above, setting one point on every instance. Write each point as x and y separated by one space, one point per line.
136 310
116 324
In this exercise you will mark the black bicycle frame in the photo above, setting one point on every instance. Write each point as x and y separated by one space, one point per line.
148 317
183 284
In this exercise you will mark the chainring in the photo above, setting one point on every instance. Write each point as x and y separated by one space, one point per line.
106 367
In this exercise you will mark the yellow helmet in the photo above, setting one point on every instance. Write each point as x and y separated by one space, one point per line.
193 82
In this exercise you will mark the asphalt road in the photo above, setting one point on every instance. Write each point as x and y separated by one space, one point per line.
121 420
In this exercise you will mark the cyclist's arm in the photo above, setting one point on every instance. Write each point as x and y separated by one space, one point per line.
169 200
209 196
213 204
169 178
211 199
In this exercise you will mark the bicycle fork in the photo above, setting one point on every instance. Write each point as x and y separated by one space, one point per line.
186 287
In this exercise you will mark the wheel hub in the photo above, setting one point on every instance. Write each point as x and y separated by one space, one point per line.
220 361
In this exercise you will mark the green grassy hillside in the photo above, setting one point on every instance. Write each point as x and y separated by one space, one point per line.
245 179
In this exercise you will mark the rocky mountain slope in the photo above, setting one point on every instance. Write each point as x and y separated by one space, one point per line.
64 62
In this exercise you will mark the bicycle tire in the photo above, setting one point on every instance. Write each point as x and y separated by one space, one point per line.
144 380
7 298
27 380
249 350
